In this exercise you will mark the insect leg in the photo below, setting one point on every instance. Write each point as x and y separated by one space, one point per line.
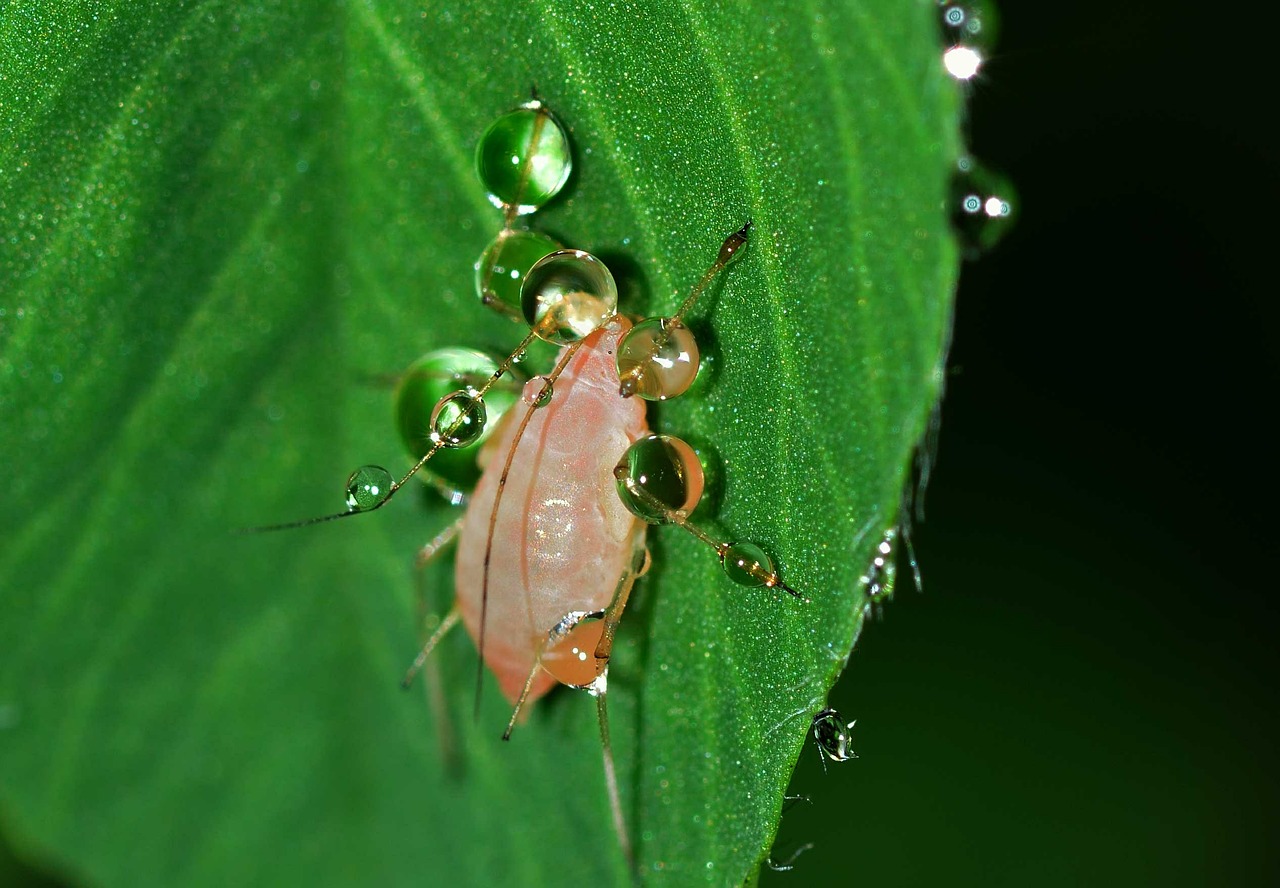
610 773
600 687
424 557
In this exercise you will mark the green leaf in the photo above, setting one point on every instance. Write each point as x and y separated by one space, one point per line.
219 220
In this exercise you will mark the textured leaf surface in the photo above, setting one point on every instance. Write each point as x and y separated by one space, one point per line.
218 221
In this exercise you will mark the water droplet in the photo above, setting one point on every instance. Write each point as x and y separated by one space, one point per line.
659 475
879 577
523 158
538 391
746 563
367 488
962 62
569 654
971 23
657 359
833 736
968 35
567 295
983 207
429 380
501 269
459 419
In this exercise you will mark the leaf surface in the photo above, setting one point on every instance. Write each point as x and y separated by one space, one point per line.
219 222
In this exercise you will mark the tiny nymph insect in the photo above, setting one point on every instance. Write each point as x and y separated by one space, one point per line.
553 537
832 734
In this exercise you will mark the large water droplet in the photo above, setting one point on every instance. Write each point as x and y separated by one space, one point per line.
429 380
501 269
657 359
659 475
523 158
567 295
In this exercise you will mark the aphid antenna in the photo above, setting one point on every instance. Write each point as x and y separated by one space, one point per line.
471 399
723 550
630 381
611 779
729 250
511 210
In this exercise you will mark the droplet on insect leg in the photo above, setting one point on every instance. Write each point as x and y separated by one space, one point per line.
570 653
657 359
746 564
459 419
538 391
524 159
659 478
983 207
367 488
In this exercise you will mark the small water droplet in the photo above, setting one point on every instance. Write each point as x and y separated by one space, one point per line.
746 563
878 579
969 23
538 391
459 419
983 207
367 487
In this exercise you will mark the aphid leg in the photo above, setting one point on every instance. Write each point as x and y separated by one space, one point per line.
425 555
434 629
524 695
600 687
450 620
576 652
670 466
788 864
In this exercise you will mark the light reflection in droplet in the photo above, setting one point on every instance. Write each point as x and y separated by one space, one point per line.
962 62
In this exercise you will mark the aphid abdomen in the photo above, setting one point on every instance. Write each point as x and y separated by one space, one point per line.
562 537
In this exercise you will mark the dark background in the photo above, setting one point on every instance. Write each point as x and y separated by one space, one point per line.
1083 693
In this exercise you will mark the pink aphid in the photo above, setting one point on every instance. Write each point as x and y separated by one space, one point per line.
562 538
